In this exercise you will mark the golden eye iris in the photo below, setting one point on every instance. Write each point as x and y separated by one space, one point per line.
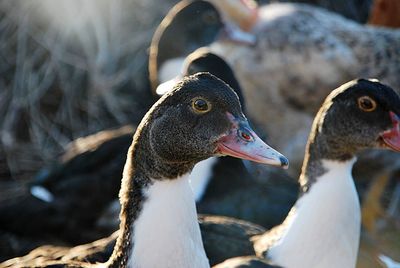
201 105
366 104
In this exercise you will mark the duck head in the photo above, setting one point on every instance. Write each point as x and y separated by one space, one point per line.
203 60
360 114
202 117
188 26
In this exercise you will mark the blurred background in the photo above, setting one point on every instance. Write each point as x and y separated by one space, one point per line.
71 68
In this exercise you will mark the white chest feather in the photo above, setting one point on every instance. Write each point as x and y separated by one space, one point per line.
167 233
200 176
324 230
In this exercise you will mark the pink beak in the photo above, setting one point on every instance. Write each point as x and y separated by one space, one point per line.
242 142
392 136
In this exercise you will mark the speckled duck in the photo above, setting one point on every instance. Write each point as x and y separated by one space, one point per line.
218 183
301 53
179 34
323 227
199 118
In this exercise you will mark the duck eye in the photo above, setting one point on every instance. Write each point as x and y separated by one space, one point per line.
201 105
366 104
245 135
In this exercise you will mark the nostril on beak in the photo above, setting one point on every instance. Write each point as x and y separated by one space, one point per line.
284 162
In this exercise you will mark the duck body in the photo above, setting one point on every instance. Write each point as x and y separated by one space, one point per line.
333 199
172 244
92 165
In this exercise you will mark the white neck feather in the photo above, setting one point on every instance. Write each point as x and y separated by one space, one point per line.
200 176
323 229
170 69
167 233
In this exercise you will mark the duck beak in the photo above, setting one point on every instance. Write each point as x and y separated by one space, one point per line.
242 142
391 137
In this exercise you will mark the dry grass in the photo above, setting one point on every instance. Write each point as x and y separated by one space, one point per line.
69 68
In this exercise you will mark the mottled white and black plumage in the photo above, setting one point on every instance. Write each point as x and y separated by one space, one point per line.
301 53
323 227
199 118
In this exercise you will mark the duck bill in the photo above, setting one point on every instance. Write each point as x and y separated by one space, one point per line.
391 137
242 142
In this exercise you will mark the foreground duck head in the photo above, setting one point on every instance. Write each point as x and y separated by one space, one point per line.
202 117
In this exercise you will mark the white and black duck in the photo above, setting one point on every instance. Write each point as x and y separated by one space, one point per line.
93 164
187 26
298 47
323 227
218 182
200 118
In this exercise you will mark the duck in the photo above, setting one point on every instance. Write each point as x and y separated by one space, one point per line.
230 189
155 189
219 182
323 227
179 34
56 201
220 186
297 47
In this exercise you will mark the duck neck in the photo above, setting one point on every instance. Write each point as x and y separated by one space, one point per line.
158 215
166 232
201 176
323 228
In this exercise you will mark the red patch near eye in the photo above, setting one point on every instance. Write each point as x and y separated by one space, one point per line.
246 136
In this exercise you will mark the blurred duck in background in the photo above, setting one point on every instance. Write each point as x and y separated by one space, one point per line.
52 202
188 26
